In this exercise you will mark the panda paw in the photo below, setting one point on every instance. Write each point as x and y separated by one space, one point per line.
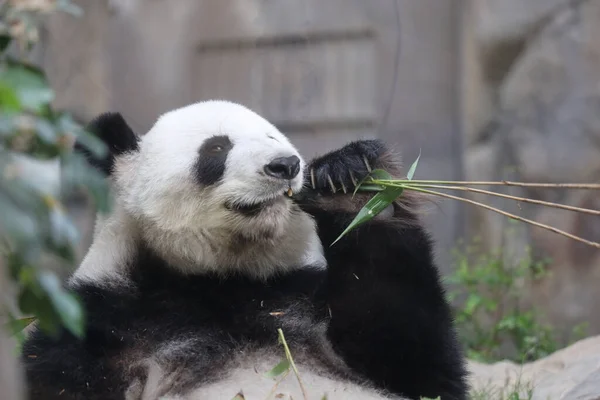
341 170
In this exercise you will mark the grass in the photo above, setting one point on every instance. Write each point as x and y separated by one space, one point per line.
493 323
512 391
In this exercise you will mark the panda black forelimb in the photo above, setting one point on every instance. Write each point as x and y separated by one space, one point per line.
389 317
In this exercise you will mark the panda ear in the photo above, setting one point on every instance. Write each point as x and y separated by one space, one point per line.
116 134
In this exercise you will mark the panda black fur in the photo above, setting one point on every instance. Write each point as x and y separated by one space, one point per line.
203 258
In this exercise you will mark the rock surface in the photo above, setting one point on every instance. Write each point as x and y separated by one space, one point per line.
547 129
506 19
572 373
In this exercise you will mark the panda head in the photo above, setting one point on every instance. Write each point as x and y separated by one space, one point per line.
208 188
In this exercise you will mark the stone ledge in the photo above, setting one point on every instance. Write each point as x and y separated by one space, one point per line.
572 373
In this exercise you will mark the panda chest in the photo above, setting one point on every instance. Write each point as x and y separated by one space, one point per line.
259 319
242 312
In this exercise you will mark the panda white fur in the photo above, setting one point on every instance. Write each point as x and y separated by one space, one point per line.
204 256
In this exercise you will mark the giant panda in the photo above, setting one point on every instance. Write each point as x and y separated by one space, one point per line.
205 255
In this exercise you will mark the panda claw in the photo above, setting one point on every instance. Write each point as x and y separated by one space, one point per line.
312 178
366 163
333 189
343 187
354 182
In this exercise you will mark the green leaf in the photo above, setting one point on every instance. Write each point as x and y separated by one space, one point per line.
4 42
88 140
413 167
371 188
46 131
7 125
20 225
31 301
68 7
62 231
375 174
473 302
17 325
508 322
66 304
378 203
379 174
78 174
279 369
9 101
30 87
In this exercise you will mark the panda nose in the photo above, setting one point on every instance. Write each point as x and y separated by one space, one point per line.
283 167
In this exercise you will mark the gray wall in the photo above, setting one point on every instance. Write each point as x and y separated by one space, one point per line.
486 89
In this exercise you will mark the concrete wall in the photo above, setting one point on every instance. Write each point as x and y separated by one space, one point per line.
486 89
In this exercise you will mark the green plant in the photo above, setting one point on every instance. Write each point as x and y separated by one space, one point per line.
492 316
34 226
389 189
285 365
517 390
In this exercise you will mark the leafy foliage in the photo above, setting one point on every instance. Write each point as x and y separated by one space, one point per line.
491 319
33 221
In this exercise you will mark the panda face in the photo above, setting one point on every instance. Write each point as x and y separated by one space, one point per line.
213 157
209 174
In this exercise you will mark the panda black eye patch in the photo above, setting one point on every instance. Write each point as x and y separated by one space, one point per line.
210 166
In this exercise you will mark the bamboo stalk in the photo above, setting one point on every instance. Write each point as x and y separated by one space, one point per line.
288 354
590 186
513 216
506 196
274 388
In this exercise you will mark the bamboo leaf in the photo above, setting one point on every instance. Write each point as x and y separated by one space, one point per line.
8 98
413 167
65 303
4 42
360 183
88 140
371 188
70 8
378 203
46 132
279 369
21 226
77 174
17 325
33 301
379 174
32 90
62 230
375 174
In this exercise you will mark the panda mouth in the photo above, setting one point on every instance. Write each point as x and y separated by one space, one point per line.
255 208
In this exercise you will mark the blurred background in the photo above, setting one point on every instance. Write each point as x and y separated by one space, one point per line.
485 89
